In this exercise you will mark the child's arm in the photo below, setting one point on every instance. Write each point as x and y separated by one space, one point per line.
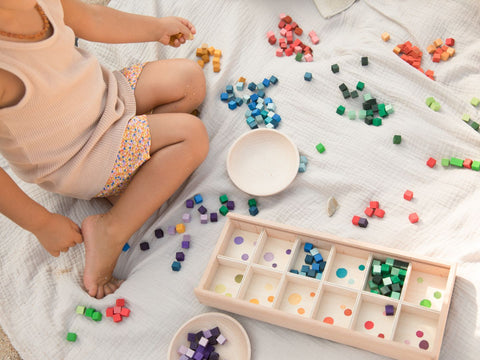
104 24
54 231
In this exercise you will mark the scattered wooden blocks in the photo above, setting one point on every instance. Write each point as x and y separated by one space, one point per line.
385 36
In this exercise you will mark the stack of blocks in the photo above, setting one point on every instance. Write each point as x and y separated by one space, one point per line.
314 263
370 107
413 56
204 53
440 52
287 44
462 163
433 104
202 345
119 311
252 207
302 167
387 277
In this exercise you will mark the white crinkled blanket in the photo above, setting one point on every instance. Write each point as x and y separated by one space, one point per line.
39 293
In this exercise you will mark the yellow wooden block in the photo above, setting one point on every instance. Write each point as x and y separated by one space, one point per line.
385 36
216 68
444 56
201 63
451 51
211 50
216 61
206 58
217 53
204 46
199 52
180 228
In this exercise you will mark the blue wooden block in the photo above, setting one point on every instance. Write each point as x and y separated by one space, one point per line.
254 97
322 265
302 168
261 93
294 271
252 86
311 273
277 118
308 76
239 86
309 259
303 159
252 106
273 79
229 89
305 268
126 247
260 86
253 210
176 266
198 199
318 257
232 105
307 247
239 101
316 267
224 96
266 82
268 100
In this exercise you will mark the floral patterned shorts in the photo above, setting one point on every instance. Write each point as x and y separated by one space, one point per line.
135 146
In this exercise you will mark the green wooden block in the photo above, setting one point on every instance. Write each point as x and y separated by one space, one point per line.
89 312
335 68
395 271
429 101
372 285
382 113
80 310
385 290
401 274
223 198
446 162
381 107
376 262
389 109
397 139
72 337
346 94
352 114
389 261
375 291
376 269
362 114
252 202
299 56
320 148
395 279
340 110
354 94
466 117
385 269
370 113
377 122
456 162
369 120
395 295
223 210
474 125
97 316
435 106
475 101
476 165
360 86
387 281
367 97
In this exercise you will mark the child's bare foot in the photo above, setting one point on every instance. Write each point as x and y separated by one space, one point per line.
101 254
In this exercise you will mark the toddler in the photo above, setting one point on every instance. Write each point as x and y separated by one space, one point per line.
75 128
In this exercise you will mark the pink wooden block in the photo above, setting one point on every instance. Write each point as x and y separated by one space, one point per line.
279 52
308 57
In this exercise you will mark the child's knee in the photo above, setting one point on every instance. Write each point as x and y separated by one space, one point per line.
197 80
198 137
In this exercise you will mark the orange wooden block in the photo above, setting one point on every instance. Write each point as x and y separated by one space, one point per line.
431 48
217 53
444 56
397 50
385 36
205 58
180 228
242 79
201 63
438 42
451 51
211 50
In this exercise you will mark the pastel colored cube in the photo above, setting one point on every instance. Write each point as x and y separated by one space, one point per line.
352 115
475 101
80 310
385 36
186 218
203 218
171 230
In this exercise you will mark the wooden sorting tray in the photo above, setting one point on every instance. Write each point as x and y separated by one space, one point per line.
249 274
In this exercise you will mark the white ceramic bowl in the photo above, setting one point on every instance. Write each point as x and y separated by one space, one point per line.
236 347
263 162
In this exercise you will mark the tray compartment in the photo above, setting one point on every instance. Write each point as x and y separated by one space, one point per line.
261 286
241 241
298 295
336 306
349 267
228 277
276 250
387 276
426 286
371 317
301 253
417 328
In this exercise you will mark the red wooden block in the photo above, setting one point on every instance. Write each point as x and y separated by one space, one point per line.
117 309
408 195
374 204
287 19
436 57
379 213
413 217
450 42
281 24
431 162
467 163
369 211
109 312
298 31
272 40
120 302
429 73
117 317
355 220
125 312
289 52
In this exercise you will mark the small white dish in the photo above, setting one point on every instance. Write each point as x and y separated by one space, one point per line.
236 347
263 162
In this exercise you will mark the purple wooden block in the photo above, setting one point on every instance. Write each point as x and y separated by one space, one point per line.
214 356
202 209
191 337
184 357
230 205
213 217
204 219
389 310
185 244
180 256
189 203
215 331
186 237
207 333
203 341
144 246
158 233
186 218
171 230
363 222
221 339
182 350
198 356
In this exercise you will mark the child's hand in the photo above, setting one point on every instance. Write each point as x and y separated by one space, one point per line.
174 31
58 234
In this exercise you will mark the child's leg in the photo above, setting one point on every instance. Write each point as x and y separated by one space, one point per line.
179 145
170 86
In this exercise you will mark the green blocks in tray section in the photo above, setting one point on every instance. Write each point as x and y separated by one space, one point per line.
387 277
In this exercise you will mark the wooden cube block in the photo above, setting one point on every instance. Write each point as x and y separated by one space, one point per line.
385 36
